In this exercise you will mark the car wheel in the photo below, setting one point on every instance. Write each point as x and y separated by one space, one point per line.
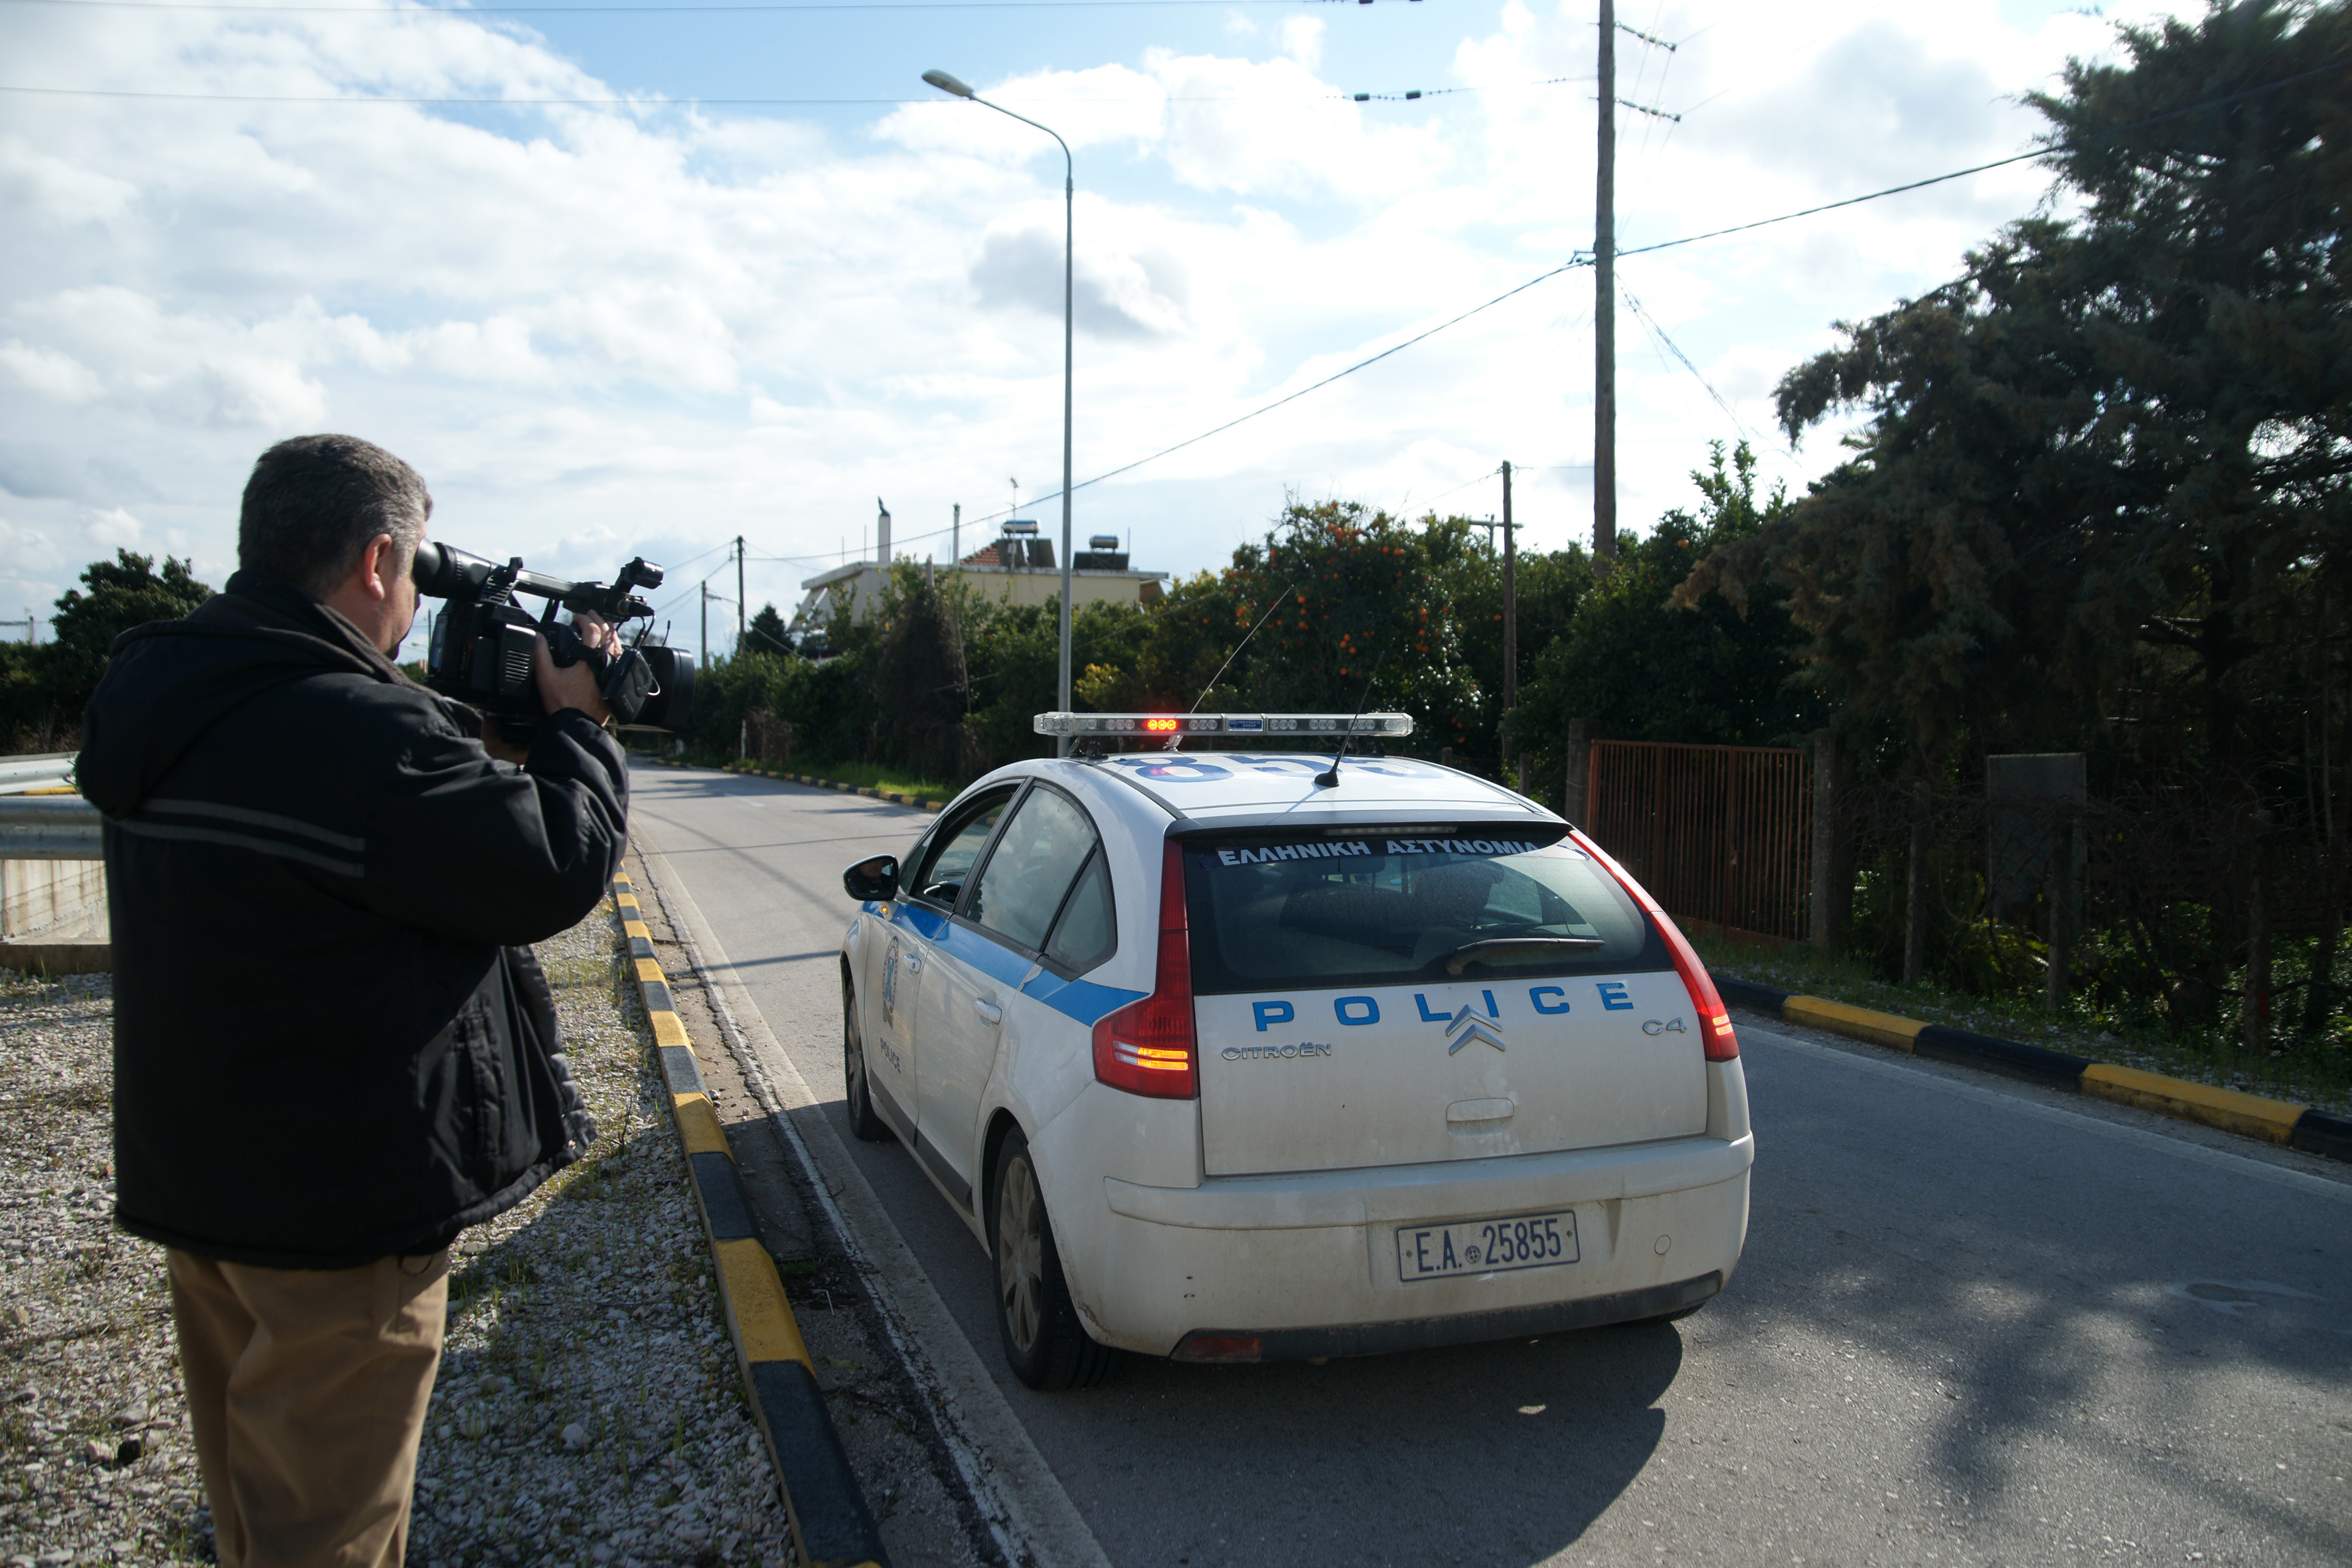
1045 1344
869 1127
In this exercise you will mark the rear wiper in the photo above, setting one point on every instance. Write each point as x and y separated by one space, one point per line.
1470 953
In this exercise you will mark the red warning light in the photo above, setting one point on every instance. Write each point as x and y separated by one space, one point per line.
1161 726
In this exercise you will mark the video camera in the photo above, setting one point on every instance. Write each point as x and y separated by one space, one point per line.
480 651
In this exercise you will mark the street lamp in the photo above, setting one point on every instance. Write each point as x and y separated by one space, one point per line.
946 83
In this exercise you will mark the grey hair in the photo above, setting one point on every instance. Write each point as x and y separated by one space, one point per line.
314 503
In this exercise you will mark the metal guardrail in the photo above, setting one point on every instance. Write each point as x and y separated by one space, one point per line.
51 827
33 771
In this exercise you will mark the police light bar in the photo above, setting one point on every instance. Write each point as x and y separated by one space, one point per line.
1223 723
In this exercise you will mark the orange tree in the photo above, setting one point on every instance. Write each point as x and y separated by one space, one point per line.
1342 587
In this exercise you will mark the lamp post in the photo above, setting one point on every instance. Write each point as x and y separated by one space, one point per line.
950 84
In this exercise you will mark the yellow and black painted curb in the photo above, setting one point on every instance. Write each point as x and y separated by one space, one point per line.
831 1526
2280 1121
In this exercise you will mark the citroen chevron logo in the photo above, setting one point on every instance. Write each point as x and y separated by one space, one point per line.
1467 1027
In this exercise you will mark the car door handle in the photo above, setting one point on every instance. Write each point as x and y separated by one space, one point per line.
914 964
989 1011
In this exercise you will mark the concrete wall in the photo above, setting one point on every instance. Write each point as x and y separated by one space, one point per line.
53 899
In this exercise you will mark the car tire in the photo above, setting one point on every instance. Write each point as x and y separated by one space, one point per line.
1045 1344
856 1088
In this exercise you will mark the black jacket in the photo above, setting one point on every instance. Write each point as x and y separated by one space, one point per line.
330 1042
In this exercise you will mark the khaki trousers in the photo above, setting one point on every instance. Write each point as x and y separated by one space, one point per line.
306 1391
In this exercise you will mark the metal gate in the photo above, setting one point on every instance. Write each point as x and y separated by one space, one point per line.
1719 834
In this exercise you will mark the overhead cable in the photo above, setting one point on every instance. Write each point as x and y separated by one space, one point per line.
2044 151
1293 397
1413 93
1675 349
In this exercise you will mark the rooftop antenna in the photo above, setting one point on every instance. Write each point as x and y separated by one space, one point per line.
1176 740
1329 777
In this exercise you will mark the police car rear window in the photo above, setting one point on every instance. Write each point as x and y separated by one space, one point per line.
1395 907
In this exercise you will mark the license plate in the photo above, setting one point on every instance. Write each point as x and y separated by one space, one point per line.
1486 1246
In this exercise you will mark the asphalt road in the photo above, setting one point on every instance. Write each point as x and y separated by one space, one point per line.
1975 1323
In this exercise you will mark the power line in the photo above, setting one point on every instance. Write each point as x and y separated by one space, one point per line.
1412 93
1675 349
1404 507
1336 375
2051 149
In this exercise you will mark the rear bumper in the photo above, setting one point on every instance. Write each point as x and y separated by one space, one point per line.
1470 1328
1307 1263
1451 1188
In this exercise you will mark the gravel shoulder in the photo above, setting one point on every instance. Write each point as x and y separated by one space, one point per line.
587 1411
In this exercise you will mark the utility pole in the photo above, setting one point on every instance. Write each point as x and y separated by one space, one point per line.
955 537
1510 602
738 592
1604 307
1510 620
1511 630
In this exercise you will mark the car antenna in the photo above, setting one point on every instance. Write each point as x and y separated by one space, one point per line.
1329 777
1177 740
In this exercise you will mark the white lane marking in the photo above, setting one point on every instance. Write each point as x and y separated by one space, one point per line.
1027 1512
2236 1164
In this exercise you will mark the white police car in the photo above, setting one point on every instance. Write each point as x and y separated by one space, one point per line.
1225 1062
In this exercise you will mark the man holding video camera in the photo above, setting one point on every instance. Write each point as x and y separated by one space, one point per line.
333 1048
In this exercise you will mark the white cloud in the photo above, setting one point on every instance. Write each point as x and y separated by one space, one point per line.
28 549
1275 128
114 528
1302 40
1088 108
42 190
57 376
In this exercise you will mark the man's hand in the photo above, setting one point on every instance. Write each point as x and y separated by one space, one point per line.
572 685
597 632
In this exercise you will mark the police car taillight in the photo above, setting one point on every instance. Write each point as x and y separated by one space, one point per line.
1714 1021
1148 1047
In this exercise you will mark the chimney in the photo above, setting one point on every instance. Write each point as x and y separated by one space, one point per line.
882 533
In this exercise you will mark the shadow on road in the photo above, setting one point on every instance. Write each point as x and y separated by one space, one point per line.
1554 1430
2036 1301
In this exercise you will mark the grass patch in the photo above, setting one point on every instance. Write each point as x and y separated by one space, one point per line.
2310 1072
857 776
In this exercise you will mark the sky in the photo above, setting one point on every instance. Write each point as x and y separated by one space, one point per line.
664 275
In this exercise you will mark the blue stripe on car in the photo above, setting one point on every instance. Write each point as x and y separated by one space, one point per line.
990 958
1081 1000
926 923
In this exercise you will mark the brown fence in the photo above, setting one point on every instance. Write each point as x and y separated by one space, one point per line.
1718 833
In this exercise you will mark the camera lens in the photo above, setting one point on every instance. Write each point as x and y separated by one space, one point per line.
445 571
672 703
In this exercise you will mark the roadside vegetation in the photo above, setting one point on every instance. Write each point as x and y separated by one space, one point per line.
2125 1028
